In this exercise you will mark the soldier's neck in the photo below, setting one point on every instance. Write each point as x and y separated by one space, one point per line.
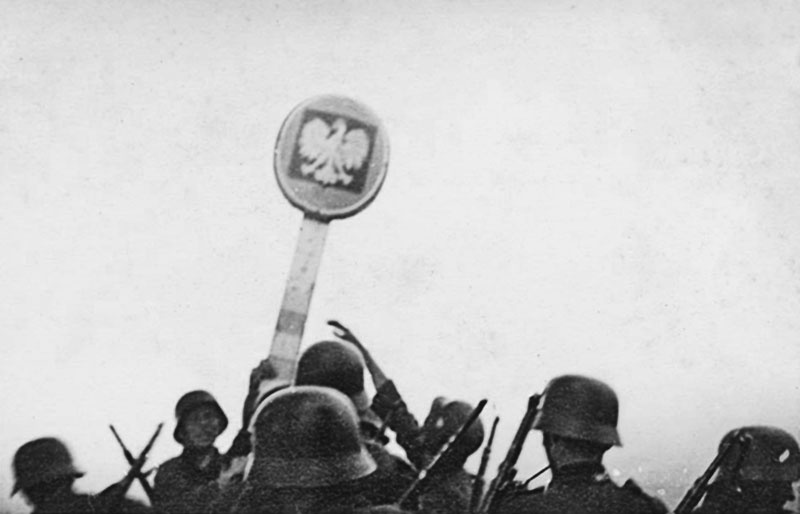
577 466
200 456
49 493
560 458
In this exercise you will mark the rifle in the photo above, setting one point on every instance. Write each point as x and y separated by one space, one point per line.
506 471
477 485
446 447
535 476
114 494
700 486
148 489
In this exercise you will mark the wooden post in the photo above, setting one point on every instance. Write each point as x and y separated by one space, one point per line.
297 296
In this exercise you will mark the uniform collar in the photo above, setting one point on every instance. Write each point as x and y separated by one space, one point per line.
579 473
194 457
190 452
64 500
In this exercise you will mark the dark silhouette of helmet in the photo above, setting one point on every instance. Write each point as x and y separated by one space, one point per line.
337 365
760 454
191 401
40 461
581 408
444 420
308 436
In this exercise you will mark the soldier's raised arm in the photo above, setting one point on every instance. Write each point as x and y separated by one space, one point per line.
378 376
387 403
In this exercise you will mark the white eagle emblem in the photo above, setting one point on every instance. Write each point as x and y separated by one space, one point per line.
330 152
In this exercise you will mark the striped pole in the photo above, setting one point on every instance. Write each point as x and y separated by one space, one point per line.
297 296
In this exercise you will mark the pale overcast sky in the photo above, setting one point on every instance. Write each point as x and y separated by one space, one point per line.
608 188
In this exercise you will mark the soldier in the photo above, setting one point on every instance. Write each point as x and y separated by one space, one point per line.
308 456
755 477
194 479
578 418
44 473
340 366
448 488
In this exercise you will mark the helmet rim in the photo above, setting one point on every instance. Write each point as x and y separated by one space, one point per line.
579 407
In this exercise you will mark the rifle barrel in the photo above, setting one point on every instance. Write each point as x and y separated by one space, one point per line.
478 483
506 471
536 475
125 451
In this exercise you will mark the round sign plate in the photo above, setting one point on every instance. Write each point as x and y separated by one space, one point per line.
331 157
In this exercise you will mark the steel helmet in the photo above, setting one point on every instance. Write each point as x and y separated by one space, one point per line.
262 400
579 407
308 436
191 401
334 364
760 453
40 461
444 420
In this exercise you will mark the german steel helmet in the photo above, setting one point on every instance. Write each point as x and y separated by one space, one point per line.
444 420
191 401
761 453
308 436
40 461
334 364
579 407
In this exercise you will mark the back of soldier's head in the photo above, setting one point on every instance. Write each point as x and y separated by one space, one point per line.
579 408
444 420
760 454
42 465
337 365
308 437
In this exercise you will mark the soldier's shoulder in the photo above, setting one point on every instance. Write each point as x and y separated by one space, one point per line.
169 469
655 505
520 501
77 503
171 463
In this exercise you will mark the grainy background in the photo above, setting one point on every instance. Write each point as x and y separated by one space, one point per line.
609 188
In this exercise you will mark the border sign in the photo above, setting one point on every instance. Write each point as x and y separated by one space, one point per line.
331 158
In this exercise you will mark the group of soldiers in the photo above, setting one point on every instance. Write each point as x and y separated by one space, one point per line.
318 444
